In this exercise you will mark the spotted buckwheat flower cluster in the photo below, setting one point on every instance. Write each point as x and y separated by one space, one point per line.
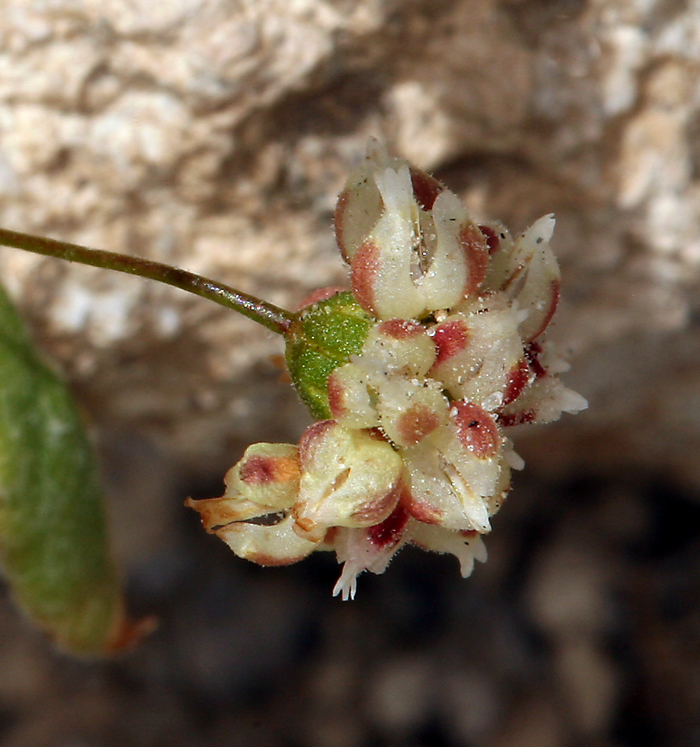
411 447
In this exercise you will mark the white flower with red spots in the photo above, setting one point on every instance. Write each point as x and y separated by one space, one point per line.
413 450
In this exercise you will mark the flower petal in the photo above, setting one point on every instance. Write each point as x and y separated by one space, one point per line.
276 544
360 205
350 399
397 346
460 256
439 494
465 546
411 409
480 353
349 478
543 402
368 549
500 245
534 278
381 269
476 453
217 512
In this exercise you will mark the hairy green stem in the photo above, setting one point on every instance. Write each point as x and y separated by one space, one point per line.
273 317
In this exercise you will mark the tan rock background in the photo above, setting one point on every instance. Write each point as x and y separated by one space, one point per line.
216 134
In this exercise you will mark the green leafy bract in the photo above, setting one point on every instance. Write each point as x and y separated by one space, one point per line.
324 337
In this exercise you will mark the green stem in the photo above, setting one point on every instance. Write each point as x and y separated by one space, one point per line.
273 317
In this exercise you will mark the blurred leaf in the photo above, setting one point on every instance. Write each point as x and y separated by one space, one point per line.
53 537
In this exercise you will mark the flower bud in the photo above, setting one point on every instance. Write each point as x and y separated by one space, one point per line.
410 243
476 452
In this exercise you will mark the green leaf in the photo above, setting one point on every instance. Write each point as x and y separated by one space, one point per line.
53 537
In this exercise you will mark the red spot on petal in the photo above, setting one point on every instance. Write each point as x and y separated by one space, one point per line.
476 429
336 397
425 512
425 188
450 338
400 329
263 470
493 240
416 423
518 379
389 532
363 273
378 509
517 418
476 252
